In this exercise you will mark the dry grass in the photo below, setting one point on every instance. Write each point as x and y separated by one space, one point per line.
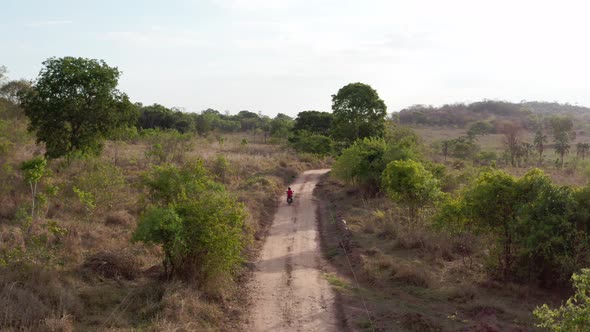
112 265
415 278
117 283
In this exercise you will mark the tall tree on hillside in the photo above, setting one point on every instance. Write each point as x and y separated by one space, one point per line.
74 104
358 113
562 145
582 150
511 131
445 148
539 142
563 134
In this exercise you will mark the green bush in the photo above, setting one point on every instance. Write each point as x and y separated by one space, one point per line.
362 163
575 314
101 185
199 225
538 233
409 183
307 142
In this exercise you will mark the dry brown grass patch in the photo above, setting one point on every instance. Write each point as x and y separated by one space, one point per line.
29 296
119 218
113 265
417 322
411 275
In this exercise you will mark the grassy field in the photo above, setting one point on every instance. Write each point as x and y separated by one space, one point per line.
574 172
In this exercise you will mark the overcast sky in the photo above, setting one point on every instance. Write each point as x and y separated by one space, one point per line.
287 56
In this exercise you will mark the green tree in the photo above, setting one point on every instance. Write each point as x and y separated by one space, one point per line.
490 205
562 145
74 104
582 150
539 142
312 143
480 128
409 183
574 315
199 225
533 222
358 113
362 163
281 125
33 170
314 122
14 89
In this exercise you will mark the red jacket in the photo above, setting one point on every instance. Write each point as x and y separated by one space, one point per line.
289 193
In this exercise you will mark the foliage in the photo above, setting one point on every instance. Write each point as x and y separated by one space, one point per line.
533 222
305 141
196 221
409 183
100 185
575 314
221 168
86 198
160 117
540 142
358 113
75 104
362 163
281 125
481 128
463 147
402 143
33 170
314 122
562 145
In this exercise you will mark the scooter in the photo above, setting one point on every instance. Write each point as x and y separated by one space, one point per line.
290 199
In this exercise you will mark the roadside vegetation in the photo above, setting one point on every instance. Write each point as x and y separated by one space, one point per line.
123 216
120 216
464 217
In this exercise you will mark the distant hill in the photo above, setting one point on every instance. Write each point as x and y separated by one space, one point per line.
460 114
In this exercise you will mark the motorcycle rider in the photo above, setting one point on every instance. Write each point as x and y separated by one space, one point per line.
289 194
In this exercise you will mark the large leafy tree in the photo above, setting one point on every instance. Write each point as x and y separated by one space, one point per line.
74 104
358 113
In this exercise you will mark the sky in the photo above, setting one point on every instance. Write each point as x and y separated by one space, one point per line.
288 56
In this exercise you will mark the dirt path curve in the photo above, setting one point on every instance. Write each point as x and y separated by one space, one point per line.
290 293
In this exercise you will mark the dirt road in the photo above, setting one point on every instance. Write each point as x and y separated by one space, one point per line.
290 293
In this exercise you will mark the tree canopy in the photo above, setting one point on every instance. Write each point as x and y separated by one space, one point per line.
74 104
358 113
314 122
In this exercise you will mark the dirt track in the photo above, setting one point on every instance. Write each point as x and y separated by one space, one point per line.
290 293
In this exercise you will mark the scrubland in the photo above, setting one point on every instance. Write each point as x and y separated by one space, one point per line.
74 267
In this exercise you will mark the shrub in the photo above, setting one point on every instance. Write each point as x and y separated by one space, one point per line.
304 141
362 163
221 168
537 233
100 185
198 224
408 182
575 314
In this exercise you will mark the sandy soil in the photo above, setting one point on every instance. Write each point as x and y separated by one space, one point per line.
289 291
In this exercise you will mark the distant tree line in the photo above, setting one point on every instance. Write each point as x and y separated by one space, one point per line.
460 115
